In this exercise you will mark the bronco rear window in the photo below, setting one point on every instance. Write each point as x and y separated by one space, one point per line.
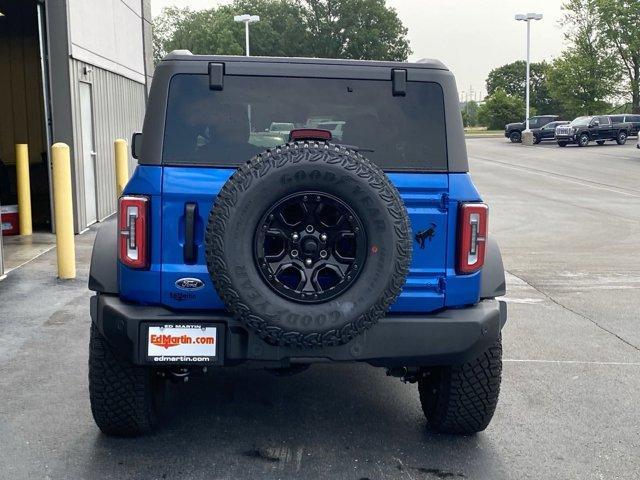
226 128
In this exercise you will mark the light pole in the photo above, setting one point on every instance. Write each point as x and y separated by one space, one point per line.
527 18
247 19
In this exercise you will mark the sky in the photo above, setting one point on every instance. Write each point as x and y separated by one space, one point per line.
471 37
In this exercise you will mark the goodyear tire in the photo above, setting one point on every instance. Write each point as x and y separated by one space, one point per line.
461 399
125 398
295 199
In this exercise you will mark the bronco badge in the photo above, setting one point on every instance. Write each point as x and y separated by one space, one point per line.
189 284
426 234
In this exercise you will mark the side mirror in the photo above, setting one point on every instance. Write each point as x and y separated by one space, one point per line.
136 143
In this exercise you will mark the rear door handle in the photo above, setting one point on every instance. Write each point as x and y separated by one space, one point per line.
190 251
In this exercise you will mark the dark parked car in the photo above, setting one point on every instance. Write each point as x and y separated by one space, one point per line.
513 131
548 132
371 249
599 128
633 120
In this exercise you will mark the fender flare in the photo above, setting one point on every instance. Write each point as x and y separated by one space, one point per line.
492 280
103 273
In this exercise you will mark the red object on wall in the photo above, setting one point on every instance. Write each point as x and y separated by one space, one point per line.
9 220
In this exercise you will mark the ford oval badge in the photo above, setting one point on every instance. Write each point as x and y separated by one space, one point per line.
190 284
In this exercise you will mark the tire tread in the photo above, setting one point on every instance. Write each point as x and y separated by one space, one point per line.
121 393
462 398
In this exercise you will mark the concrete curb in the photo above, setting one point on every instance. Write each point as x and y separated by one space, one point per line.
493 135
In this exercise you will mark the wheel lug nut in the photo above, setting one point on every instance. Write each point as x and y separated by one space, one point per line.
323 237
309 229
294 253
323 253
308 262
295 237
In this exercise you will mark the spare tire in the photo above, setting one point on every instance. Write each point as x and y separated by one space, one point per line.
308 245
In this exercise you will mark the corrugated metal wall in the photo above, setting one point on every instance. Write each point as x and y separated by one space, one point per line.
118 111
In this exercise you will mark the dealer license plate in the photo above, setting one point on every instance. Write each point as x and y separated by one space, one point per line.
182 344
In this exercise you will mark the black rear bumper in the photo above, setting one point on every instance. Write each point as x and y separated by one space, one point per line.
447 337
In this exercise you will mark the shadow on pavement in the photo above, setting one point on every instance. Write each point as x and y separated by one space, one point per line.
330 422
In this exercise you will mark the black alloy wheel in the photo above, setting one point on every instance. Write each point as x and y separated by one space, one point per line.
310 247
583 141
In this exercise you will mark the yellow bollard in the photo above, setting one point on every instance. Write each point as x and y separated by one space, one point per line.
24 188
63 210
122 164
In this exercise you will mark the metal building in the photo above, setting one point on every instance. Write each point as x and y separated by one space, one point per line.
72 71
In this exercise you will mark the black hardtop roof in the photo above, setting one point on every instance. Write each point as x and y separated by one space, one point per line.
186 55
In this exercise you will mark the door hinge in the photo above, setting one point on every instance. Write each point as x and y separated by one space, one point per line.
444 202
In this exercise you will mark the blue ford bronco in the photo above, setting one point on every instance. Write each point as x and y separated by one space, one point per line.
232 246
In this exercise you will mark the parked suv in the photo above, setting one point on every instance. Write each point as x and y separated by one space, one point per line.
371 249
582 130
632 120
513 131
547 132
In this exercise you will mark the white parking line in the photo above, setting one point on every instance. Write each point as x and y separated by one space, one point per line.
570 362
522 300
559 176
48 249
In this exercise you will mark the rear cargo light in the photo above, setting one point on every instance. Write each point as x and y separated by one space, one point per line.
472 237
310 134
132 226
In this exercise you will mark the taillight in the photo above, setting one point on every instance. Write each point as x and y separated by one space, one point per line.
132 226
472 236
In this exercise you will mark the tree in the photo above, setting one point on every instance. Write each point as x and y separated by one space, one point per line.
512 79
203 31
359 29
619 24
586 75
581 84
611 29
500 109
470 113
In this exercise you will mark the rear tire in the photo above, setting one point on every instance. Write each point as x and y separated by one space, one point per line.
583 141
621 139
124 397
462 399
600 142
536 140
515 137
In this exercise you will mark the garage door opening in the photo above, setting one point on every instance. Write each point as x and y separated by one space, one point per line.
23 110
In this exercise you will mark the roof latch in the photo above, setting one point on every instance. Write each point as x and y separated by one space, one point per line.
399 80
216 76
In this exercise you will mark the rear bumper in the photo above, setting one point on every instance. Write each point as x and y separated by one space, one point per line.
448 337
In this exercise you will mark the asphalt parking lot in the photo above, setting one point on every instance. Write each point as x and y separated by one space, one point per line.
568 221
